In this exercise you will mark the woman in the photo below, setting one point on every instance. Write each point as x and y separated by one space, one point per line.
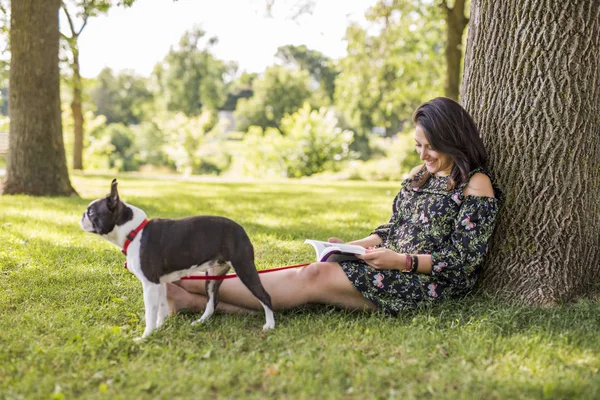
432 248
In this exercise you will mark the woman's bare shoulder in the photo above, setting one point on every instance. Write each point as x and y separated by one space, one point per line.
479 185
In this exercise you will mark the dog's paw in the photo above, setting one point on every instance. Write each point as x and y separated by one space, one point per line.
268 326
202 319
138 339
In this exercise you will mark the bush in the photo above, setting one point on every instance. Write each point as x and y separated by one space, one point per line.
278 92
308 143
313 142
150 145
193 144
399 157
124 157
111 147
259 154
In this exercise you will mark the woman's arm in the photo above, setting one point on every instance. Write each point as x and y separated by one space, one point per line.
469 242
480 187
369 241
382 258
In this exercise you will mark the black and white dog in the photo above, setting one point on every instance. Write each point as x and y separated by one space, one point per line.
164 250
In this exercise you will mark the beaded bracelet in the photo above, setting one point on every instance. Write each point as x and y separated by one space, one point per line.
407 263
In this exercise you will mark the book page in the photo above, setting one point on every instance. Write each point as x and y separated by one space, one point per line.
334 251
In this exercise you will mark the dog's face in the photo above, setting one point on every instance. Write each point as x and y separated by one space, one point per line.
103 215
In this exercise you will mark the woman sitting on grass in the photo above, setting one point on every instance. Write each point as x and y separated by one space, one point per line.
431 249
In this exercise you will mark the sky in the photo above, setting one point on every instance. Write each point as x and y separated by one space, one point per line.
138 37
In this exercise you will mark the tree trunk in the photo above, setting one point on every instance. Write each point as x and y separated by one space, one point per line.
36 158
532 83
77 112
456 22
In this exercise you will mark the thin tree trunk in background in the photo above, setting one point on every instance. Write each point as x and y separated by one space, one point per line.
456 22
532 83
77 112
36 161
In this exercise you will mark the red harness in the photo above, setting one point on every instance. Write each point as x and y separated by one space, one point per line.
137 230
132 236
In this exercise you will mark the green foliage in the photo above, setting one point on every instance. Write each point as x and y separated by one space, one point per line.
259 155
150 144
385 76
190 77
95 156
4 51
240 88
309 143
4 124
111 147
124 155
122 98
320 68
393 160
313 142
278 92
69 312
187 141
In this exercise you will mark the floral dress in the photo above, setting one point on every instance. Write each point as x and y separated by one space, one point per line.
455 229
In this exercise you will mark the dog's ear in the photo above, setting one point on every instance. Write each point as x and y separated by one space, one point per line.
113 197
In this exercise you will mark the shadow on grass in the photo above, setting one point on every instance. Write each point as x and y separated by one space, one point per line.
291 229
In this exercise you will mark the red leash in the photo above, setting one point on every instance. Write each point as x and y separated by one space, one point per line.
137 230
229 276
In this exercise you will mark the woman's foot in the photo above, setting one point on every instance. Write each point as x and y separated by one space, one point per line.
179 299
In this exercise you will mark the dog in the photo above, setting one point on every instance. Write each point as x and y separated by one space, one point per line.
164 250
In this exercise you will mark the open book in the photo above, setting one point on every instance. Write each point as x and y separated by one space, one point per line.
335 251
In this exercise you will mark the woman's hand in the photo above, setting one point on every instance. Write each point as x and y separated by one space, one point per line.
382 258
335 240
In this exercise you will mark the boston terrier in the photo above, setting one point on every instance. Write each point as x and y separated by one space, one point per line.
164 250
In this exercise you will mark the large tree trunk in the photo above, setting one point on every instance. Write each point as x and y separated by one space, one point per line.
77 111
36 159
532 83
456 22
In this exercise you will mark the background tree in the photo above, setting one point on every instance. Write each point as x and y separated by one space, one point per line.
456 22
80 10
320 68
387 75
123 98
299 8
278 92
239 88
36 162
532 83
454 13
190 77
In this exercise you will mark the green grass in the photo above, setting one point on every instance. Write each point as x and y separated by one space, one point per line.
69 313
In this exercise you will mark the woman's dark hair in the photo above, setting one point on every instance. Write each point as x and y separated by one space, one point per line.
449 129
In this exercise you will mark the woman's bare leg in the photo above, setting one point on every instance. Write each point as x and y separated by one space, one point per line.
324 283
179 299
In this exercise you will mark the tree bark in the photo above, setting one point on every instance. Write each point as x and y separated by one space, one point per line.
36 159
532 83
456 22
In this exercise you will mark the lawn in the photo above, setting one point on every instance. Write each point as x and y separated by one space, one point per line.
69 313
